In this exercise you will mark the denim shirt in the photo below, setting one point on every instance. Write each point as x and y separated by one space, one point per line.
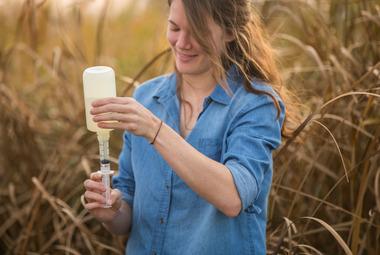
239 131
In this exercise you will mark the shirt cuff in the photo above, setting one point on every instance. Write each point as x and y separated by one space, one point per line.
245 183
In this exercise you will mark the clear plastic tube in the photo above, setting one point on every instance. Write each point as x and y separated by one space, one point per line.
105 167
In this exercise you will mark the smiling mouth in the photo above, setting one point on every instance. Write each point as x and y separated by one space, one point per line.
185 57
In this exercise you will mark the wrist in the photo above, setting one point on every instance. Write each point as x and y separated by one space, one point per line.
109 222
156 126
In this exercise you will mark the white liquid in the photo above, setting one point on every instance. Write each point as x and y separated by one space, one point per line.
98 82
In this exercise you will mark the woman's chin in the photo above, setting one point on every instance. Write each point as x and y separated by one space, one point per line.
188 68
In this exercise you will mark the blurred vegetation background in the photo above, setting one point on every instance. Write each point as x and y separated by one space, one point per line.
326 186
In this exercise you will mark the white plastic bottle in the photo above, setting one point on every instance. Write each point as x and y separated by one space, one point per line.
98 82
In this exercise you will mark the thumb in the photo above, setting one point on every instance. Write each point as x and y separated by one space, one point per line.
116 199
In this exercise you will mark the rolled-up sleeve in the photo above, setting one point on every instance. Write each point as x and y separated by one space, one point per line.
254 133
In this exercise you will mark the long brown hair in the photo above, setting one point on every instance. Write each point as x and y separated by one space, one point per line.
249 50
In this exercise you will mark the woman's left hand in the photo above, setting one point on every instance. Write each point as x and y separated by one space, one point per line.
125 113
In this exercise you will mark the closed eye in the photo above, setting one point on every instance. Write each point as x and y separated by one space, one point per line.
173 26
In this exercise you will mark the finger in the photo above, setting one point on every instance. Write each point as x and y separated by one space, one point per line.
115 199
112 116
132 127
94 205
112 107
95 176
94 186
115 100
115 195
94 197
102 101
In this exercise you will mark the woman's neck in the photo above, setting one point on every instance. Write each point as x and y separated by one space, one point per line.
197 87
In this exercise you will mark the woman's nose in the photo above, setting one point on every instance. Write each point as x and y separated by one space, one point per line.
184 41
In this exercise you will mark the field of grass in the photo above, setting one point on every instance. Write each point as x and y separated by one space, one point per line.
326 186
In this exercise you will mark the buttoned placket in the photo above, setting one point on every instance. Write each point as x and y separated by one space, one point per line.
171 111
159 233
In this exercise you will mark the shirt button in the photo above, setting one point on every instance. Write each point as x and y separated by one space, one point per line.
161 220
167 187
154 253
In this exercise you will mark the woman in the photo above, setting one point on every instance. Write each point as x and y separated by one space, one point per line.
196 165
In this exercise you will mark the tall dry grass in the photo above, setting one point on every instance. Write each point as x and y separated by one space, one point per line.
325 197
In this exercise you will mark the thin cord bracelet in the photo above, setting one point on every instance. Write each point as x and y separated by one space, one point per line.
154 139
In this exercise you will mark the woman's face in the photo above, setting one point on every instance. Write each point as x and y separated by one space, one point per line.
190 58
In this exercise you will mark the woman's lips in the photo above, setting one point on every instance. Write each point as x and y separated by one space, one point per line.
183 57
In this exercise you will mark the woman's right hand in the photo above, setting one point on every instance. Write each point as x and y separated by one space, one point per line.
95 200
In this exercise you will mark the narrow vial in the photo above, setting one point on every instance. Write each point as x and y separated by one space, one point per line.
105 168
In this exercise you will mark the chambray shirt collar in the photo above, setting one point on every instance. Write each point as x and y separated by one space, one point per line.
164 93
218 95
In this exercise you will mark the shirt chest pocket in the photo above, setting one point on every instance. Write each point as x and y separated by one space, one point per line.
211 147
